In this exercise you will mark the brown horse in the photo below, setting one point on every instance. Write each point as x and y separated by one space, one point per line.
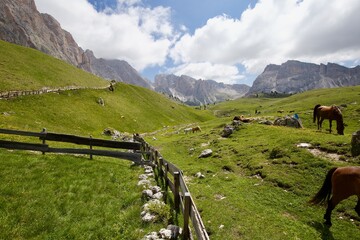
332 113
195 129
341 182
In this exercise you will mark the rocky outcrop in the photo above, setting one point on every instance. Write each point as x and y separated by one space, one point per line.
195 92
114 69
22 24
294 76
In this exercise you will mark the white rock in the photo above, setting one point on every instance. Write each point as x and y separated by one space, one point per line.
205 153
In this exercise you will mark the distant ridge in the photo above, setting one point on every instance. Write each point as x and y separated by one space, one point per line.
195 92
295 76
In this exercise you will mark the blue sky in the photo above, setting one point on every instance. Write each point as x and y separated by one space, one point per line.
229 41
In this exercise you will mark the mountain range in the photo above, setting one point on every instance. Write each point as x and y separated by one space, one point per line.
21 23
295 76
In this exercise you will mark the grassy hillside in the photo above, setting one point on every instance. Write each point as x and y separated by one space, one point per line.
257 182
69 197
24 68
128 109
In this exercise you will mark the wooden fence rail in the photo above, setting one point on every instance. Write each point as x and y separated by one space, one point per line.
135 156
173 179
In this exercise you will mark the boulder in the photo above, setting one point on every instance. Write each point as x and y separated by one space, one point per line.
205 153
355 144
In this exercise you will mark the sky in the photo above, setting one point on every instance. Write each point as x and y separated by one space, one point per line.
229 41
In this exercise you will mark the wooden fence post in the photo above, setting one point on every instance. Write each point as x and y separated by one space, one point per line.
160 168
177 193
91 147
166 181
187 208
44 137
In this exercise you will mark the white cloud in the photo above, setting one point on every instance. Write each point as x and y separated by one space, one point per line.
142 36
274 32
207 71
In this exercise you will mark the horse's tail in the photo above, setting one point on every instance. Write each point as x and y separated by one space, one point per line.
315 111
325 191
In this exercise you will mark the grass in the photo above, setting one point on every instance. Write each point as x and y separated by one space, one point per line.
64 197
24 68
257 182
128 109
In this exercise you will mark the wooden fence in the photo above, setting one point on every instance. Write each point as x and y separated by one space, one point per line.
172 178
135 155
166 172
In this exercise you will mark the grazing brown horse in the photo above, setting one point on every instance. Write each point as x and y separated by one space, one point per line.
341 183
332 113
195 129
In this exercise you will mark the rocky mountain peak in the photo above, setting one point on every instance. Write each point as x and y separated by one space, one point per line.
22 24
195 92
295 76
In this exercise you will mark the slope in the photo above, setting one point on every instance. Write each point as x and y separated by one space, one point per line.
24 68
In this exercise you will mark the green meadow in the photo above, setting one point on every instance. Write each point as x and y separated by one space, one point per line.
256 183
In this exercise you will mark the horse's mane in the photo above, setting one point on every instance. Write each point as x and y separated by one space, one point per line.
337 110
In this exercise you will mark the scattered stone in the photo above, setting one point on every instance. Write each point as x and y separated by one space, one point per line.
143 177
165 233
266 122
147 194
101 101
148 169
115 134
227 131
155 189
205 153
147 216
199 175
288 121
158 195
144 183
219 197
304 145
175 231
171 232
151 236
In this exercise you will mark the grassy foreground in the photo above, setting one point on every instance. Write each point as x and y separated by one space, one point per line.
257 182
65 197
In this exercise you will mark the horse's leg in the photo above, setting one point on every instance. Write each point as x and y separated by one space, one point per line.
320 123
327 215
330 121
333 201
357 208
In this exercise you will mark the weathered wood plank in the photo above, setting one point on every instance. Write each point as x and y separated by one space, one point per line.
89 141
23 146
135 157
21 133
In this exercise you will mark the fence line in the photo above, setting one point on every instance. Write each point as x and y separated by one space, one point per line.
14 93
176 183
144 154
135 156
